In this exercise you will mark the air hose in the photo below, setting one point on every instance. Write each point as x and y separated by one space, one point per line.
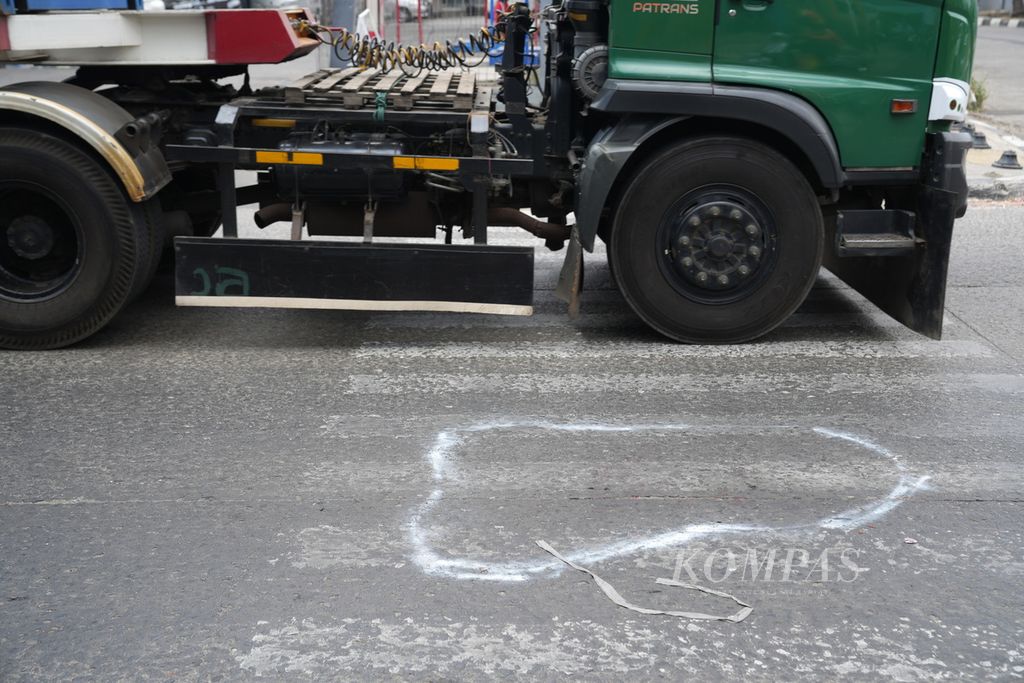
372 53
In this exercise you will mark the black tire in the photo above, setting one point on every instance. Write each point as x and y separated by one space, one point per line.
716 240
147 217
73 247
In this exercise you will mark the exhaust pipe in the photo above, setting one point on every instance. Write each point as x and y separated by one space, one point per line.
272 213
553 234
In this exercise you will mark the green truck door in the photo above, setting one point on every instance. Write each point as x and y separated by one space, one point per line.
848 58
667 41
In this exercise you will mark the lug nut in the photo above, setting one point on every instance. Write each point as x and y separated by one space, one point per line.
723 279
715 211
751 230
695 221
754 251
743 270
735 214
684 241
702 277
687 262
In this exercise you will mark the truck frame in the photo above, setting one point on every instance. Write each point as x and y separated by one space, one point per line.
720 181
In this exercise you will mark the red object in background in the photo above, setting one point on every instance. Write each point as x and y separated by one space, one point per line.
5 37
419 18
257 36
398 21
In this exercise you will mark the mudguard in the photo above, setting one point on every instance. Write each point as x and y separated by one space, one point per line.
128 145
650 106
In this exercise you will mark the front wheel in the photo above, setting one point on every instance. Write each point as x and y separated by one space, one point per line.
716 240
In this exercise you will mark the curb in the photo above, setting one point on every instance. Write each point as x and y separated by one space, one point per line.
996 21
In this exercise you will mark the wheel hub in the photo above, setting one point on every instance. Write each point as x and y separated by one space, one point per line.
40 243
717 245
30 237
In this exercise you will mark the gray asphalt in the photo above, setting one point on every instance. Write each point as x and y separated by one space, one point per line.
221 495
997 62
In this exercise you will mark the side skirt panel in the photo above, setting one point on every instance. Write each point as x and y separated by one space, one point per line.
220 272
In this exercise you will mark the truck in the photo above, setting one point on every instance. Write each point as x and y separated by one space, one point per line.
723 150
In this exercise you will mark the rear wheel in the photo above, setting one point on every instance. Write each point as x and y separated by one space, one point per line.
73 248
716 240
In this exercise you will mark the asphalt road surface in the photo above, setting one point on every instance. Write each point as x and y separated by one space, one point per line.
217 494
998 61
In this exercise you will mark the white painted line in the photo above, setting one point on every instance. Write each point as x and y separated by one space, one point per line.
774 384
654 350
350 304
447 443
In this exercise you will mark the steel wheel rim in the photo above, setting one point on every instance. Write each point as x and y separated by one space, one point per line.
717 244
41 243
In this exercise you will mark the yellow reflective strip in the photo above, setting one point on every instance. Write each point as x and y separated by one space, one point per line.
302 158
426 163
437 164
271 157
274 123
308 158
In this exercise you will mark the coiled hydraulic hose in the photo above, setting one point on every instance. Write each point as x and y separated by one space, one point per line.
372 53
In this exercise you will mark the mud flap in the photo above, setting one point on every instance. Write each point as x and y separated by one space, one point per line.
570 278
911 287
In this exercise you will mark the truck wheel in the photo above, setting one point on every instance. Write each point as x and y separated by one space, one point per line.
716 240
149 218
73 248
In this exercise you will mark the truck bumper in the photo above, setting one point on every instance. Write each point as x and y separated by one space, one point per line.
911 286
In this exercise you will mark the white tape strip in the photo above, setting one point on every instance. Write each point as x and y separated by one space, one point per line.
614 596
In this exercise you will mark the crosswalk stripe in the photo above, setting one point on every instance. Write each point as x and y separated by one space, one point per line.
683 384
852 350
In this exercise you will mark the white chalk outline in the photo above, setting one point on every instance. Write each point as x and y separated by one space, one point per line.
447 441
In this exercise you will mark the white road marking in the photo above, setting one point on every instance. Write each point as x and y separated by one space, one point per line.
768 383
441 458
654 350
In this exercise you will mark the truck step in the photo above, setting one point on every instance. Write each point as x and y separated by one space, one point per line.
880 240
875 233
349 276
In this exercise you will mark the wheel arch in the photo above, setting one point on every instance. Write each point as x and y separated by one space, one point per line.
125 144
657 113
